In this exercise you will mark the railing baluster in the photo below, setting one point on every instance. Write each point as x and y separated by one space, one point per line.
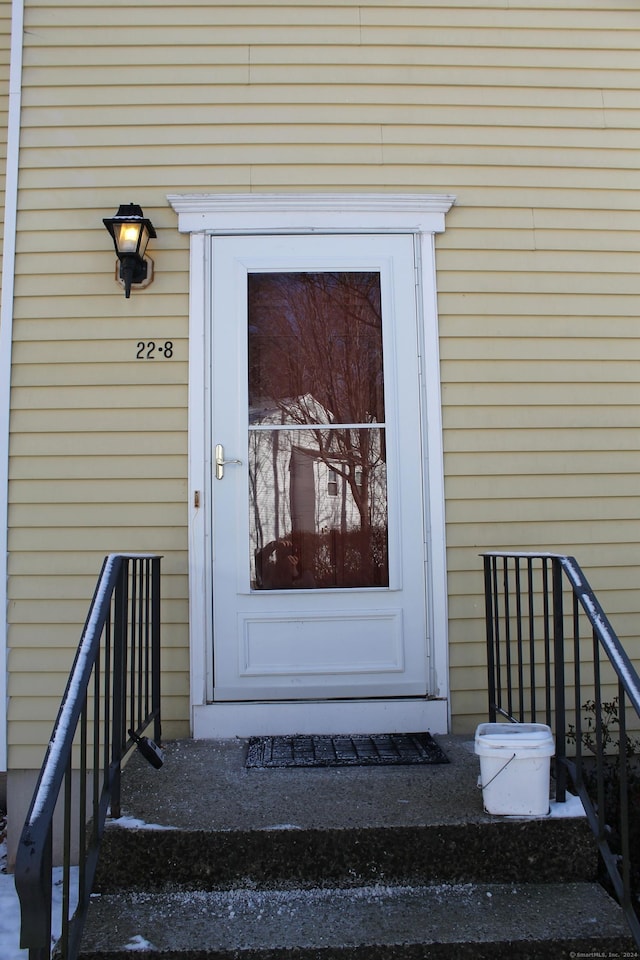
140 645
577 685
108 673
132 637
97 769
547 640
82 804
623 818
597 686
148 700
532 640
507 636
520 665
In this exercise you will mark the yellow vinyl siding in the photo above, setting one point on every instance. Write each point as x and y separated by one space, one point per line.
527 111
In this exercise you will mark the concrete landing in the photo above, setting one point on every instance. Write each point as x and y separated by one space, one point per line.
205 785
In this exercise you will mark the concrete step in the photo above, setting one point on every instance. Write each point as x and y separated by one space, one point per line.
536 851
467 921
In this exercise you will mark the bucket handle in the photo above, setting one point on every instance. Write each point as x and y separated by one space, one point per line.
504 767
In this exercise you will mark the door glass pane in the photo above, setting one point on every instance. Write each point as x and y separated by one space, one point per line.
318 497
315 347
318 501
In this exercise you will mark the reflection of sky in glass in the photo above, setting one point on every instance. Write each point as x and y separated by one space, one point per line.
318 497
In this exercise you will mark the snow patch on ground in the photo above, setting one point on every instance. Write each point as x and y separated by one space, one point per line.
10 921
572 808
139 943
281 826
10 909
131 823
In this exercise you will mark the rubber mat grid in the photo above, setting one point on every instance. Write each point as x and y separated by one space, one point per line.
344 751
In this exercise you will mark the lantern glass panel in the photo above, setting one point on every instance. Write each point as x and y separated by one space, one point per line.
131 237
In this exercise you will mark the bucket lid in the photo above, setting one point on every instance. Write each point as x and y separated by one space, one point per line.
513 736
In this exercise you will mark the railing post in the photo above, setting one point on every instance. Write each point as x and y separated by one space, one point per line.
558 664
155 648
119 682
35 908
491 671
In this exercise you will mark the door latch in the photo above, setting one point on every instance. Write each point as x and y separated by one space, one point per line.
220 461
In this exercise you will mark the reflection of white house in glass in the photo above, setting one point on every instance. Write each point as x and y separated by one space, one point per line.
318 499
318 496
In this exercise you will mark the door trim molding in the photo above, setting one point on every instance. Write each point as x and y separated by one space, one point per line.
422 215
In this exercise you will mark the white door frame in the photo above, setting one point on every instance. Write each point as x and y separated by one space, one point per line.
202 215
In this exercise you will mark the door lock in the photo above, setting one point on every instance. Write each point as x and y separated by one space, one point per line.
220 461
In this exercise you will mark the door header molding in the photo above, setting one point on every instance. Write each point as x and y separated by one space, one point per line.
311 212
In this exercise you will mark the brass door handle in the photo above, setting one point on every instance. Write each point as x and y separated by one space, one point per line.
220 461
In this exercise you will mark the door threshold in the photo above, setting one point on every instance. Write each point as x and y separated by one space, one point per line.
223 721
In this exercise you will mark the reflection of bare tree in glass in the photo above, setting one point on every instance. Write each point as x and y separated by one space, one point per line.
315 354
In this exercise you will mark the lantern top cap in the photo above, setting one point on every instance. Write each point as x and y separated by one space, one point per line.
130 213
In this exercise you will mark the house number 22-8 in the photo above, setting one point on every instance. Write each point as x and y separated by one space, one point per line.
147 350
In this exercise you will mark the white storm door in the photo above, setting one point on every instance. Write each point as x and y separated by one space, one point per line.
318 534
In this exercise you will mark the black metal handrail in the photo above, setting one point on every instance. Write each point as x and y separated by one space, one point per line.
112 695
553 657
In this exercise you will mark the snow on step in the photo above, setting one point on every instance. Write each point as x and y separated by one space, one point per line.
261 920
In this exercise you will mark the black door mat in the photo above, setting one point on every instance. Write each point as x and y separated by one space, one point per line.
378 750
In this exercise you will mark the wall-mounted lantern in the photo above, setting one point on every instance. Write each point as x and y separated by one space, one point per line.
131 231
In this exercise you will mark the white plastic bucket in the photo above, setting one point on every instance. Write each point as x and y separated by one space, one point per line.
515 762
